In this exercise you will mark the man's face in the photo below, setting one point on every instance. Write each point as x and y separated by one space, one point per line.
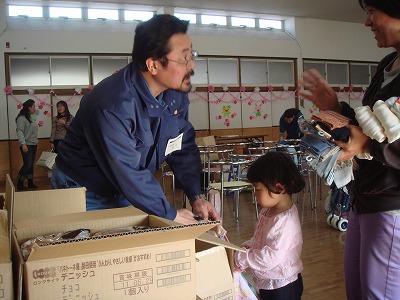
176 75
289 120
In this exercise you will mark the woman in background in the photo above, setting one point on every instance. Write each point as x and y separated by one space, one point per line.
60 124
27 131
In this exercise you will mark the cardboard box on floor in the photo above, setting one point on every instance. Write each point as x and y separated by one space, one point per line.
6 274
155 263
24 205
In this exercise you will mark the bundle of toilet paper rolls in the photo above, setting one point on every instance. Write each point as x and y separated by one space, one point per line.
382 122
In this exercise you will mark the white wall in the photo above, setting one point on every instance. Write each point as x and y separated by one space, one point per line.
305 38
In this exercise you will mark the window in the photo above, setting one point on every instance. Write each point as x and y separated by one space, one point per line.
25 11
243 22
337 73
65 12
213 20
72 71
253 72
136 15
280 72
187 17
105 66
102 14
29 71
200 74
270 24
223 71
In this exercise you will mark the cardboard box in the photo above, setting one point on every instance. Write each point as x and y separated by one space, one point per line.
146 265
6 275
149 264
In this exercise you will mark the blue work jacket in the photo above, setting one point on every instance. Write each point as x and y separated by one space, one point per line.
118 140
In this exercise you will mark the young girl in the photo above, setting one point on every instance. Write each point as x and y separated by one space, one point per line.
273 253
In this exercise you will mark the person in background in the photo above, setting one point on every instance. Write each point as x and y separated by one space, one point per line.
372 246
273 253
133 121
60 124
289 123
27 132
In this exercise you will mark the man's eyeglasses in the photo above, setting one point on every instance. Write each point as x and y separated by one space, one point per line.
187 60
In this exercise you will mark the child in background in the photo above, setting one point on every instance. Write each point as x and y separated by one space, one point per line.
273 253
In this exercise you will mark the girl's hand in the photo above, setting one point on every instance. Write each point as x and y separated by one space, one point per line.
24 148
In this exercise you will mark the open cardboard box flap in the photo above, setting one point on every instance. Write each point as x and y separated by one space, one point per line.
44 203
164 231
6 276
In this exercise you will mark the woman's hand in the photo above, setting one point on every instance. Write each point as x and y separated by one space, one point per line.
319 91
358 143
24 148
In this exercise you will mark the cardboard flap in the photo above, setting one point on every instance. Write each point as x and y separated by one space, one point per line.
37 204
5 250
9 199
213 240
93 220
213 273
164 231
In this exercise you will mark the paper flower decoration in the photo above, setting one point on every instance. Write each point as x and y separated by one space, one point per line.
31 91
78 91
270 88
256 89
242 89
225 88
8 90
193 89
211 88
91 87
351 88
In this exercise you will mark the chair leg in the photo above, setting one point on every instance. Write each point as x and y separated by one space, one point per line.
255 203
236 206
173 190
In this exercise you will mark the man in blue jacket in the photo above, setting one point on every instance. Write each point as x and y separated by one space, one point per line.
289 123
134 120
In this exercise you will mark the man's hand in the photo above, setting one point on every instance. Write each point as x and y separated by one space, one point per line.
185 217
319 91
205 210
358 143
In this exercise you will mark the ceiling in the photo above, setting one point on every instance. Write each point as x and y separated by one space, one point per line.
337 10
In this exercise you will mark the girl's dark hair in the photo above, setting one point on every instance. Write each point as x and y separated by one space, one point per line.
152 39
25 110
67 114
389 7
276 167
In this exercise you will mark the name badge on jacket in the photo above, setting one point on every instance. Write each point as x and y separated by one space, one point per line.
174 144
